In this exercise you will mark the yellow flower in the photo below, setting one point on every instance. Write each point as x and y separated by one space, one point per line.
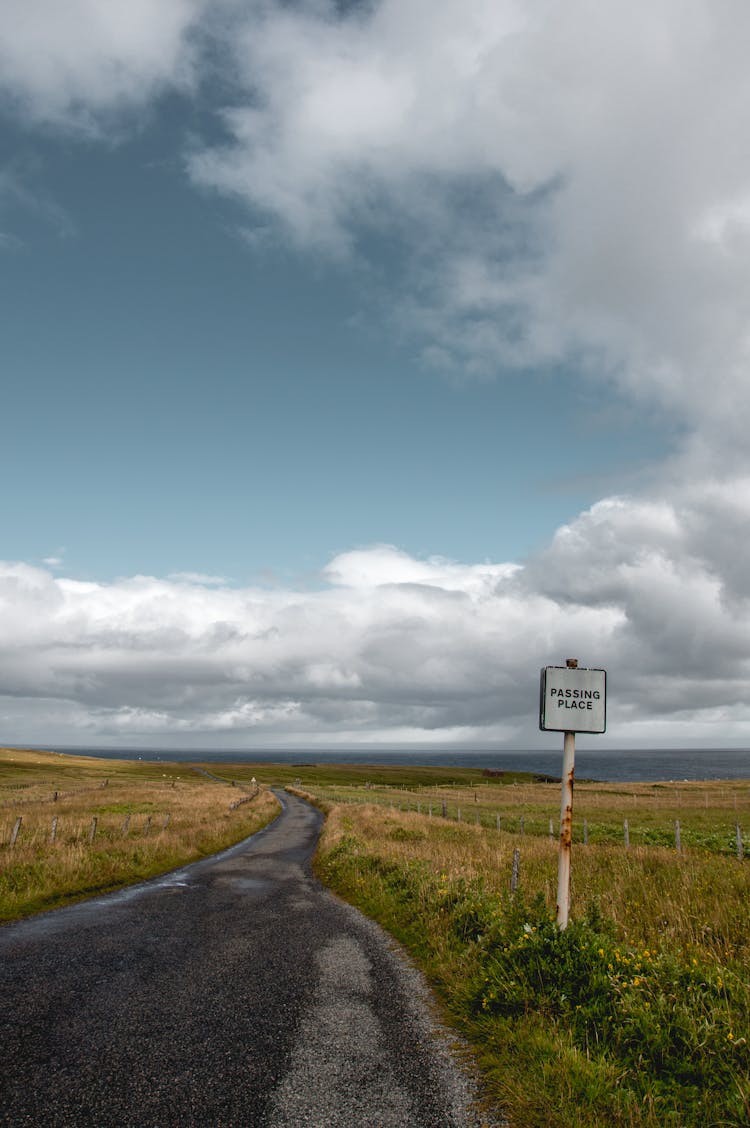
730 1036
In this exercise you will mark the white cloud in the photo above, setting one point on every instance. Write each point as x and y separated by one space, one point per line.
69 64
197 578
565 179
399 648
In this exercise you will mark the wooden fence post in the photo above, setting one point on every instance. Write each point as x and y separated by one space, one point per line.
677 836
497 821
125 824
523 825
165 824
740 847
92 831
445 810
16 829
551 829
147 827
585 832
515 870
53 832
626 833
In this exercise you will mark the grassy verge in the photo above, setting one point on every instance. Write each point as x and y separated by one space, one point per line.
150 818
637 1015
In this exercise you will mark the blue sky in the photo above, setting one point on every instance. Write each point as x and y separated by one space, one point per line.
182 400
358 361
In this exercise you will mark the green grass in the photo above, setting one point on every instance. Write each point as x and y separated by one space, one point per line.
638 1014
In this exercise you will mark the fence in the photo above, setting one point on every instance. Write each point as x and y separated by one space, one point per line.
728 839
81 830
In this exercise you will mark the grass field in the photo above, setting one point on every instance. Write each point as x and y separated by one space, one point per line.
637 1015
149 818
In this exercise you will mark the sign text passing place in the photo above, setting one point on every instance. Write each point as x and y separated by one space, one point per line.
573 700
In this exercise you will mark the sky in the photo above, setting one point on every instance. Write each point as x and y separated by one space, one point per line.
360 359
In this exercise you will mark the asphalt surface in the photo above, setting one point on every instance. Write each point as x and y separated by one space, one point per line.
236 991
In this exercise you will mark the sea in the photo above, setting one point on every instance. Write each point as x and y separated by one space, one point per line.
616 765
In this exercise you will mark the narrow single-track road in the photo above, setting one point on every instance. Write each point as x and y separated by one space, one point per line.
236 991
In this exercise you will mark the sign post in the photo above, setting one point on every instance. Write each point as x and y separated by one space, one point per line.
570 701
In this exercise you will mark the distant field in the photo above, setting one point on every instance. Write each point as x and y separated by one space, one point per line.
87 826
708 813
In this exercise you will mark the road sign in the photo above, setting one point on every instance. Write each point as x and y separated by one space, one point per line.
572 699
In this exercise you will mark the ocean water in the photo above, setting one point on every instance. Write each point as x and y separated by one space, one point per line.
611 764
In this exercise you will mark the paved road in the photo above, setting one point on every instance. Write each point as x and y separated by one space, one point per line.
235 992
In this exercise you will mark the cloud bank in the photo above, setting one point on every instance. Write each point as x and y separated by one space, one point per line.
397 649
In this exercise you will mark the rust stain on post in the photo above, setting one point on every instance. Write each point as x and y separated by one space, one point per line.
566 830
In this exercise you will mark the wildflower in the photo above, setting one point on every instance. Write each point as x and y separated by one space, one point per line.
730 1036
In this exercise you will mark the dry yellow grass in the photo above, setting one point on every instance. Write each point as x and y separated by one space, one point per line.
654 896
149 818
637 1016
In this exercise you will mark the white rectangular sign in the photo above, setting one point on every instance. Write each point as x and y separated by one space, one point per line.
573 700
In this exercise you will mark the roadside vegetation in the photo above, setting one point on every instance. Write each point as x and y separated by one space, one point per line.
111 823
637 1016
639 1013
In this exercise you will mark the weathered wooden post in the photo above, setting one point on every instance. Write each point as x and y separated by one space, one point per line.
740 847
626 833
92 830
16 830
515 869
498 821
147 827
677 836
53 832
125 824
445 810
